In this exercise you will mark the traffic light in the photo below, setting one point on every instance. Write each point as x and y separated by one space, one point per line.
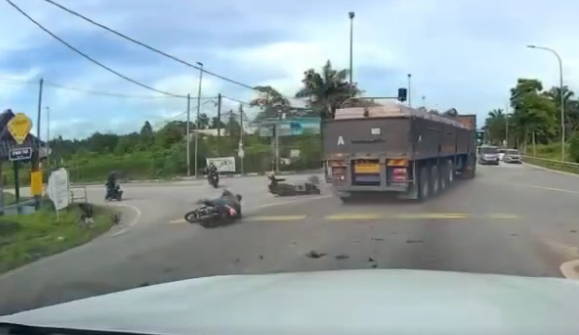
402 94
480 136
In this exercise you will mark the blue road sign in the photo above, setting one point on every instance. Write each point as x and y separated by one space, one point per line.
20 154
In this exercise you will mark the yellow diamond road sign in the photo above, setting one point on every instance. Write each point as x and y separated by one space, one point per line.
19 127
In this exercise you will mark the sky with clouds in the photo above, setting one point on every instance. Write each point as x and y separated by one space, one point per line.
464 54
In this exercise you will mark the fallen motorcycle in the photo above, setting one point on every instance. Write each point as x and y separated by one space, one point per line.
278 187
208 216
114 193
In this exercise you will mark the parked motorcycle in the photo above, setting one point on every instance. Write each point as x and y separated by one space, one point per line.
278 187
213 179
209 217
113 193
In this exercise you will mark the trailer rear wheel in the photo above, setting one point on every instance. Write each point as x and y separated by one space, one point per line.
423 184
449 172
442 176
434 180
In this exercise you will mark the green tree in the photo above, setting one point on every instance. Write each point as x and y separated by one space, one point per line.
327 90
269 101
533 112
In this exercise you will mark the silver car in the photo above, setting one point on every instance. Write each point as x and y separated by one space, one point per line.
512 156
488 155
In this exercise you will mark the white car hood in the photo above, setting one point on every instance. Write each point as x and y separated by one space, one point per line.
333 302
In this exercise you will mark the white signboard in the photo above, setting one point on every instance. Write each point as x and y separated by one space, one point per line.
59 188
223 164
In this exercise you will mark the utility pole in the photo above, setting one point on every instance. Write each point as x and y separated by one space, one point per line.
47 138
424 101
507 126
188 137
240 151
561 98
36 153
409 90
198 114
351 15
219 124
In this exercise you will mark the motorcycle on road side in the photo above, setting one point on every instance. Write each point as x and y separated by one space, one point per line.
278 187
113 193
209 216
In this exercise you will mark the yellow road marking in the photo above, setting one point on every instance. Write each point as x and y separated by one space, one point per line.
376 216
503 216
276 218
431 216
354 216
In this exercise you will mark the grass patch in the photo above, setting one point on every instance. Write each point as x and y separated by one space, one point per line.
27 238
552 152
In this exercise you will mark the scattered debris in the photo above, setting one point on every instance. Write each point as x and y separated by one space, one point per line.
144 284
374 266
237 260
314 254
167 270
514 234
377 239
370 259
414 241
260 256
572 231
341 257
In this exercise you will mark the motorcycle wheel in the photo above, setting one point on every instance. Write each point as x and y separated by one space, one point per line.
191 217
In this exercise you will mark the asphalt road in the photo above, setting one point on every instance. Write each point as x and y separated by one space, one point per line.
511 219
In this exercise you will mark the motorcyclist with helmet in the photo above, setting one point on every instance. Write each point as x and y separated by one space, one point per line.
112 187
227 205
212 174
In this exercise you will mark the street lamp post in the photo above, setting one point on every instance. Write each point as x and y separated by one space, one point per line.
351 15
409 90
562 102
197 119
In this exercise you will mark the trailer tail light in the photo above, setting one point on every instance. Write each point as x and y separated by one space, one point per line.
399 175
339 173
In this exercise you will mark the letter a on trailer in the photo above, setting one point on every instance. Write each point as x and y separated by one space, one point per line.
340 140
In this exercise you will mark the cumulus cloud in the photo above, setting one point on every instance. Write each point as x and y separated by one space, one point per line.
462 54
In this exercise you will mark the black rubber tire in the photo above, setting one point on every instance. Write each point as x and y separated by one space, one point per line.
423 184
191 217
434 180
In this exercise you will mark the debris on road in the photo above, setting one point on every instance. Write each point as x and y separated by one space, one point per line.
342 257
377 239
414 241
314 254
370 259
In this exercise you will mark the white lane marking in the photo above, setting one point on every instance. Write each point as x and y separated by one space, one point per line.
136 209
120 232
552 189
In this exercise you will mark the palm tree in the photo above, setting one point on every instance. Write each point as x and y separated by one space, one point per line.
326 90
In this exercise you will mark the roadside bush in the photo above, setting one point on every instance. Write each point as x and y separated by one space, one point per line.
574 148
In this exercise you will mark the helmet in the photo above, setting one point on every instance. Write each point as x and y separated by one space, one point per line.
226 193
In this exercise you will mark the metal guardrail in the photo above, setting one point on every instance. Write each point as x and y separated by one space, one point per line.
552 163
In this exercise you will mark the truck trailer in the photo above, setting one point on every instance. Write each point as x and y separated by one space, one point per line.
397 149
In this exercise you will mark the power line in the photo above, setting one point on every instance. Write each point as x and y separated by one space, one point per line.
87 56
94 92
70 11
